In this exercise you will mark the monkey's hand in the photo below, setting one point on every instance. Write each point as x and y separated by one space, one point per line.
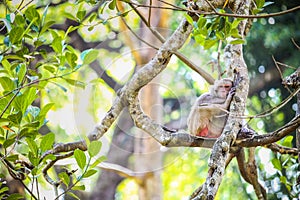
231 92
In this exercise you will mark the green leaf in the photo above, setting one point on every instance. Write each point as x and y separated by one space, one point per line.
276 163
70 29
201 21
283 179
28 132
80 15
44 14
112 5
90 173
220 35
221 23
32 146
16 34
34 161
46 26
7 83
209 43
189 19
4 189
257 10
73 195
6 65
15 118
99 160
288 141
71 59
15 196
236 22
235 33
45 109
47 142
94 148
32 15
227 28
7 143
237 41
12 157
80 158
75 83
92 17
64 177
57 45
91 28
260 3
21 72
50 68
22 101
89 56
49 157
79 187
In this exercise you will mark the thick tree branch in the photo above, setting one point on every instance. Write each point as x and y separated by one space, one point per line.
261 140
249 172
144 76
179 55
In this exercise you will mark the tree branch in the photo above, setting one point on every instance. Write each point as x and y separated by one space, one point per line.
249 172
261 140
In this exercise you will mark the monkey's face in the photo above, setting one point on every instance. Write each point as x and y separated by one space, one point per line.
223 89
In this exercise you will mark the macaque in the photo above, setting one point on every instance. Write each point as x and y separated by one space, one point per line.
208 115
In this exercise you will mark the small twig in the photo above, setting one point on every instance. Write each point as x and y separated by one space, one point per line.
273 109
138 37
281 76
285 65
275 62
179 55
212 7
149 15
220 73
282 149
50 164
294 42
176 8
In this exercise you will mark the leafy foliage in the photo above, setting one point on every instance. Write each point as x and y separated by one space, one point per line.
208 31
32 56
35 55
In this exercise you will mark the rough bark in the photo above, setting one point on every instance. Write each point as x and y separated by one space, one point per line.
235 63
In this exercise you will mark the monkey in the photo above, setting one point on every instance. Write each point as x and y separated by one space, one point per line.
208 115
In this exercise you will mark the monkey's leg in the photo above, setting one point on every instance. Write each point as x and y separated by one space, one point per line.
203 132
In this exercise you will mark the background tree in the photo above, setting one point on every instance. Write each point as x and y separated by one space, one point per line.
42 55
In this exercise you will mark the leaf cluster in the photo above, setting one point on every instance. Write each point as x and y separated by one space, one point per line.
209 31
